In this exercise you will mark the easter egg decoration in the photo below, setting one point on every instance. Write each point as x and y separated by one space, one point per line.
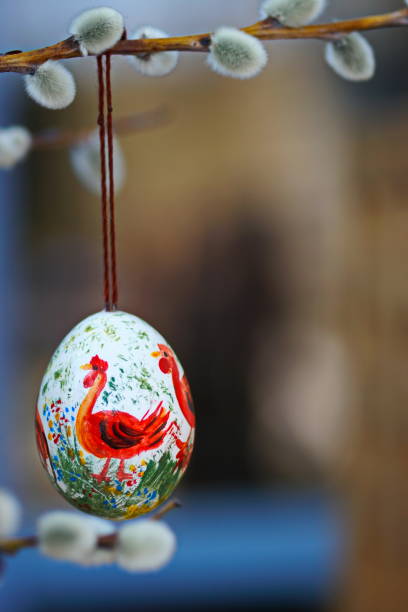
114 418
115 421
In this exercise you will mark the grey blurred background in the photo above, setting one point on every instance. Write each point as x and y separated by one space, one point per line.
263 230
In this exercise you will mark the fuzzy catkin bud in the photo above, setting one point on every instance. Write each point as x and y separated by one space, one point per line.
51 85
99 556
66 535
15 142
145 546
86 162
293 13
153 64
351 57
97 30
10 514
236 54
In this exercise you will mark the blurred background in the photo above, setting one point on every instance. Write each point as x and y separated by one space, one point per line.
263 231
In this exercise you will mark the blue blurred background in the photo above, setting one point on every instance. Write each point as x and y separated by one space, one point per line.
261 231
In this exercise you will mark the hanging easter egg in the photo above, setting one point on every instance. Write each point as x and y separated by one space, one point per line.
114 419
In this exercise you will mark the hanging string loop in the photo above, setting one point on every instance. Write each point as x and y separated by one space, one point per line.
105 111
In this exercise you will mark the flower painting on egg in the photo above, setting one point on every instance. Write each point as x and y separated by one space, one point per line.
115 420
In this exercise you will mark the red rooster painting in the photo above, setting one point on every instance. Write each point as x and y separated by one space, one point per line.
168 365
113 434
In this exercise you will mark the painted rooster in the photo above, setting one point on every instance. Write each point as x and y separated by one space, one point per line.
114 434
168 365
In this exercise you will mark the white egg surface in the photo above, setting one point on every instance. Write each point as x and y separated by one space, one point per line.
115 420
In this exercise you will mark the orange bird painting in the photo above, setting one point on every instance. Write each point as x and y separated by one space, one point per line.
113 434
168 365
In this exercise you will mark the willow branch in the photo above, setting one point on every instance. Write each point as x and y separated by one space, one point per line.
15 545
57 138
269 29
171 505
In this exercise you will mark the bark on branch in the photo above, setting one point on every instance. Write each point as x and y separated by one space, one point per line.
269 29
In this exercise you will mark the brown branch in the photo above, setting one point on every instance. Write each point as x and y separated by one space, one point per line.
269 29
109 541
56 139
11 547
14 545
171 505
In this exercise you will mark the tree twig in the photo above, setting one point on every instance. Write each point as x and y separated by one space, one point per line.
57 138
171 505
269 29
15 545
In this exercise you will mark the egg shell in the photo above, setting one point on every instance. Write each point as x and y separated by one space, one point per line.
114 419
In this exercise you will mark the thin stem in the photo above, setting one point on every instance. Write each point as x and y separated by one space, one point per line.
60 139
171 505
14 545
269 29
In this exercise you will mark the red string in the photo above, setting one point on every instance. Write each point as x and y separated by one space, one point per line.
111 184
110 283
104 203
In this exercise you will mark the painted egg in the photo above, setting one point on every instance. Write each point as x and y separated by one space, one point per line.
114 419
